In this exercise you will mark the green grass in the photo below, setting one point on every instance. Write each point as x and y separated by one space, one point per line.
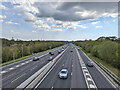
22 58
112 69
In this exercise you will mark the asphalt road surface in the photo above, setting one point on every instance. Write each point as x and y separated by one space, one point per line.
14 74
75 79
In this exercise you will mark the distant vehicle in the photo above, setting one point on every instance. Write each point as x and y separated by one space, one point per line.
71 50
59 51
90 64
63 74
50 58
51 53
35 58
62 49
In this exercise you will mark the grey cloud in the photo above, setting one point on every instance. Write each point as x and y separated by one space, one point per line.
67 11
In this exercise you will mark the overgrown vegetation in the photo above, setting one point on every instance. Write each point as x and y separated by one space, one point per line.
12 49
104 48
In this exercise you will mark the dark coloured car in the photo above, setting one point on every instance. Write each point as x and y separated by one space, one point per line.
90 64
35 58
59 51
51 53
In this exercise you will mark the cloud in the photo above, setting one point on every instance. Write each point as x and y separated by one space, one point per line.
27 11
99 26
43 26
57 29
1 20
71 27
1 16
28 17
95 22
12 31
114 20
10 22
81 26
76 11
3 7
34 31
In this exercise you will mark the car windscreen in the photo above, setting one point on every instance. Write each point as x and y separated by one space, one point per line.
63 72
89 62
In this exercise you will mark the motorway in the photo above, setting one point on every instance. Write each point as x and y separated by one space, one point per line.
15 74
75 76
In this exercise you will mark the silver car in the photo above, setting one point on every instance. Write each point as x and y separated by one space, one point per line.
35 58
63 74
50 58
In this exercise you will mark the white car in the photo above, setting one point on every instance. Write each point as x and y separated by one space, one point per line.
63 74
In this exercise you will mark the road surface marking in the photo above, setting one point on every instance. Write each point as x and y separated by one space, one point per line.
11 68
52 88
27 62
8 76
17 78
89 79
18 66
85 70
72 65
3 72
87 74
92 86
71 73
33 68
22 63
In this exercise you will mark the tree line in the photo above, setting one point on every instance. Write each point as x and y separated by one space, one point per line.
103 48
14 49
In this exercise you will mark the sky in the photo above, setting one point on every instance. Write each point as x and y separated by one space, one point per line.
58 20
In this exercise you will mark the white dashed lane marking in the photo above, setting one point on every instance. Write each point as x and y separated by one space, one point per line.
72 65
11 68
22 63
33 68
17 78
27 62
18 66
3 72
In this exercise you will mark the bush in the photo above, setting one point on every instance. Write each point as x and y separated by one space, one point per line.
107 51
29 47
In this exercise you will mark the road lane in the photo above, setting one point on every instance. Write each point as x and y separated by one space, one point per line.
52 77
77 80
98 78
